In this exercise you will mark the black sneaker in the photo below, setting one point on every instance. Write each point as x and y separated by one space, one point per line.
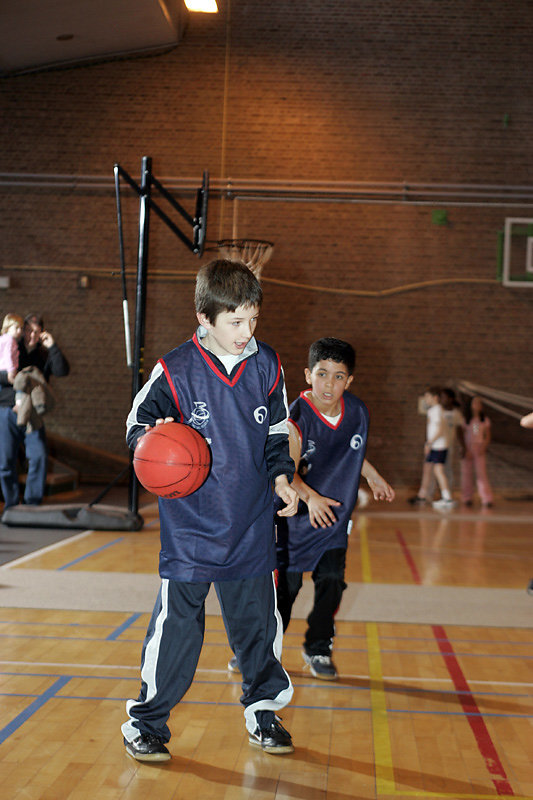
272 739
321 667
417 500
147 747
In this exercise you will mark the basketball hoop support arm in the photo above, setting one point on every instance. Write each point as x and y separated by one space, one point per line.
196 245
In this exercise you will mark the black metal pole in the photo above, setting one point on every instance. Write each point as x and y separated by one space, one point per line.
140 305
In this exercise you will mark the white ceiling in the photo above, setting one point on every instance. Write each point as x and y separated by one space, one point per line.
93 30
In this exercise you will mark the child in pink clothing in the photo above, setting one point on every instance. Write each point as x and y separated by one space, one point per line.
9 344
477 438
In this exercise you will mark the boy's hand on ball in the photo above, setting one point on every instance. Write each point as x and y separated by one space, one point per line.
286 493
159 421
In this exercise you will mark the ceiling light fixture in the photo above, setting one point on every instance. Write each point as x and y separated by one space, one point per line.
206 6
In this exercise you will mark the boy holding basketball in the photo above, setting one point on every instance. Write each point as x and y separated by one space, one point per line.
328 429
230 387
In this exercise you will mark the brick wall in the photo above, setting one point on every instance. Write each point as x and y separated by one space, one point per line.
412 92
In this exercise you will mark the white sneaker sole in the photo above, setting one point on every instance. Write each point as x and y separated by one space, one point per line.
323 677
148 756
281 750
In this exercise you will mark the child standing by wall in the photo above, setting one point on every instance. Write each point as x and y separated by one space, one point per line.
436 451
477 436
454 421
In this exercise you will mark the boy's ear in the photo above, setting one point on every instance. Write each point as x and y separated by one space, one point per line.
348 382
202 319
307 373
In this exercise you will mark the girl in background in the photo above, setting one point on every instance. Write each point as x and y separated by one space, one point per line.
477 438
9 345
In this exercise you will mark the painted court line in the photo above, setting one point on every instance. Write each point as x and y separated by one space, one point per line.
384 769
76 537
489 517
457 796
90 554
116 634
359 676
59 665
286 635
307 685
121 628
299 706
28 712
24 559
47 624
229 680
479 729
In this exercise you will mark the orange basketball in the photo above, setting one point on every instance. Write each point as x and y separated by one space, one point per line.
172 460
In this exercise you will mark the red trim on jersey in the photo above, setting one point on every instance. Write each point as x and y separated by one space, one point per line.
211 364
172 387
277 376
319 413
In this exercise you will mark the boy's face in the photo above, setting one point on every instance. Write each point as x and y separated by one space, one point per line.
231 331
431 399
328 380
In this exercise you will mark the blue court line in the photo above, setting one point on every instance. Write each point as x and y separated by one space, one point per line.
56 624
62 638
415 638
464 655
224 644
28 712
286 635
307 685
90 554
92 677
366 709
121 628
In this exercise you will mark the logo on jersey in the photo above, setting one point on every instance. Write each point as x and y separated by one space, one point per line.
260 414
356 442
200 415
311 449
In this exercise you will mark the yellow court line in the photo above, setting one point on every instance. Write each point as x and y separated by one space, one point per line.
385 783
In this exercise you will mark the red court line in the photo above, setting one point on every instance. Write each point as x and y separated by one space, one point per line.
465 696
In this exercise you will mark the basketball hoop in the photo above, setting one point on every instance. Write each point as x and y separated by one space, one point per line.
251 252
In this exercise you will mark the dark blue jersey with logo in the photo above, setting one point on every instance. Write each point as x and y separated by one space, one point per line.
225 529
331 460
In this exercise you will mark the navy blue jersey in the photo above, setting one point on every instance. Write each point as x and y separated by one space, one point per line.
331 460
225 530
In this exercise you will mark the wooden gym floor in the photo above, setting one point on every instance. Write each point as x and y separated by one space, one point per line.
433 647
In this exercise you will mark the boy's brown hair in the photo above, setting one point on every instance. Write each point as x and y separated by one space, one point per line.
225 285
